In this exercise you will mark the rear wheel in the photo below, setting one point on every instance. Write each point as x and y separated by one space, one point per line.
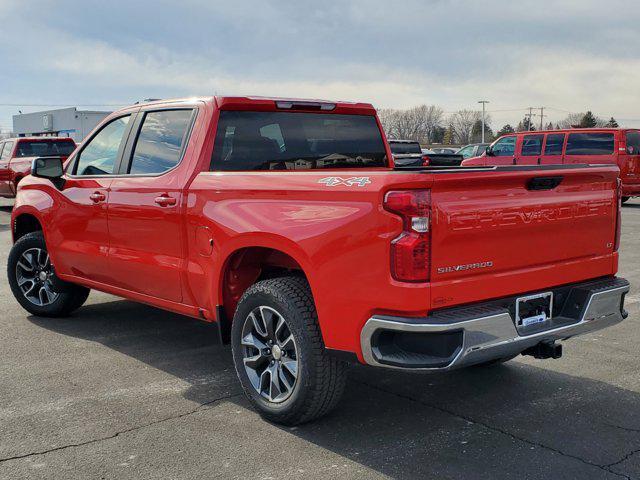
279 355
34 283
625 199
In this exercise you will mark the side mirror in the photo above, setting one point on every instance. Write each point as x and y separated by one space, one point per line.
50 168
489 152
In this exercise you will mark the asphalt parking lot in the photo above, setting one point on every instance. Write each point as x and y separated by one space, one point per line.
122 390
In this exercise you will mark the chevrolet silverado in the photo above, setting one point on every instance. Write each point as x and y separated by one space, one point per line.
285 223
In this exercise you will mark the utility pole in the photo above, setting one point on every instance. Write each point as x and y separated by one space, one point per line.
530 115
542 115
483 102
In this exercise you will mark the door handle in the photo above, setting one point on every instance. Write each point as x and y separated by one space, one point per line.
97 197
165 200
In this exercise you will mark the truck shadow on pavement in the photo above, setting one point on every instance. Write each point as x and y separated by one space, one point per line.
514 421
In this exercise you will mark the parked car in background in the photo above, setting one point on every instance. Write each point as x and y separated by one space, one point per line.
617 146
247 211
17 154
472 150
444 150
409 153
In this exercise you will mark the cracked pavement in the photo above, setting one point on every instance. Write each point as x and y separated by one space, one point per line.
122 390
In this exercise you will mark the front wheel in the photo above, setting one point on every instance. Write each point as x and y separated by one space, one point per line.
279 355
34 283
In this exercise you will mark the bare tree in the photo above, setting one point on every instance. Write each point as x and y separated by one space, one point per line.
462 122
417 123
577 119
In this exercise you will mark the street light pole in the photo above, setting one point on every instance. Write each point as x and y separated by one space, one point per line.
483 102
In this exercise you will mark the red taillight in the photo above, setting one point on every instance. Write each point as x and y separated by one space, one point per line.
618 217
426 160
410 251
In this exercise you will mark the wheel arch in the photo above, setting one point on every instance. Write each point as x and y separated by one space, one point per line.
245 266
25 223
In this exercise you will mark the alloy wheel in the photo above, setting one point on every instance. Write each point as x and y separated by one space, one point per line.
269 354
34 274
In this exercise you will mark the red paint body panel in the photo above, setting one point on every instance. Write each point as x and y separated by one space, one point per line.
13 168
628 163
180 257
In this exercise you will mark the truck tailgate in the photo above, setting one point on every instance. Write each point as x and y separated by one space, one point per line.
519 229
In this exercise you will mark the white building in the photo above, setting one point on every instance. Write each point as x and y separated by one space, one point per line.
64 122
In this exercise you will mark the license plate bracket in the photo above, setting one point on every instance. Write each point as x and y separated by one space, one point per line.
534 309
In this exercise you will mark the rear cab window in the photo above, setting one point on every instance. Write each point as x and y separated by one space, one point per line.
45 148
247 141
403 148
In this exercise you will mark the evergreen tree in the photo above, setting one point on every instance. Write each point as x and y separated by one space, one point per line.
525 125
505 130
476 132
448 136
549 126
612 123
588 120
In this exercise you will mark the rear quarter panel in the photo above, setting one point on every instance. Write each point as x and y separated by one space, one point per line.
340 236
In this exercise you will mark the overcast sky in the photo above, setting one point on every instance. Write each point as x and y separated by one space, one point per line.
568 56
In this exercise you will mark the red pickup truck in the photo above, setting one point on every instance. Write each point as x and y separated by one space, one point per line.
285 223
609 146
17 154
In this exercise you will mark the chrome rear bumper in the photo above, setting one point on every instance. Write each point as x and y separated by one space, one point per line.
459 337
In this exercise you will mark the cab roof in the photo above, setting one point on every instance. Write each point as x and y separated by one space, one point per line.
259 103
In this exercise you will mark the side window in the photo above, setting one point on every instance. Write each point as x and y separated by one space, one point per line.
633 142
6 151
532 145
590 144
505 147
160 142
273 132
98 157
554 144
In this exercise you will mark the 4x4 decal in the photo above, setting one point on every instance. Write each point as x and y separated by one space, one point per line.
349 182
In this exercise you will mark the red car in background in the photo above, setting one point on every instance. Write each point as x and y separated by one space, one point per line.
16 155
615 146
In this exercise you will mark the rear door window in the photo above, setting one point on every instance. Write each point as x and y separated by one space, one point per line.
532 145
504 147
590 144
296 141
161 140
554 144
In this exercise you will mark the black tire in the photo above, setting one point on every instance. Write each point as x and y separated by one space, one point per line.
625 199
68 297
320 378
